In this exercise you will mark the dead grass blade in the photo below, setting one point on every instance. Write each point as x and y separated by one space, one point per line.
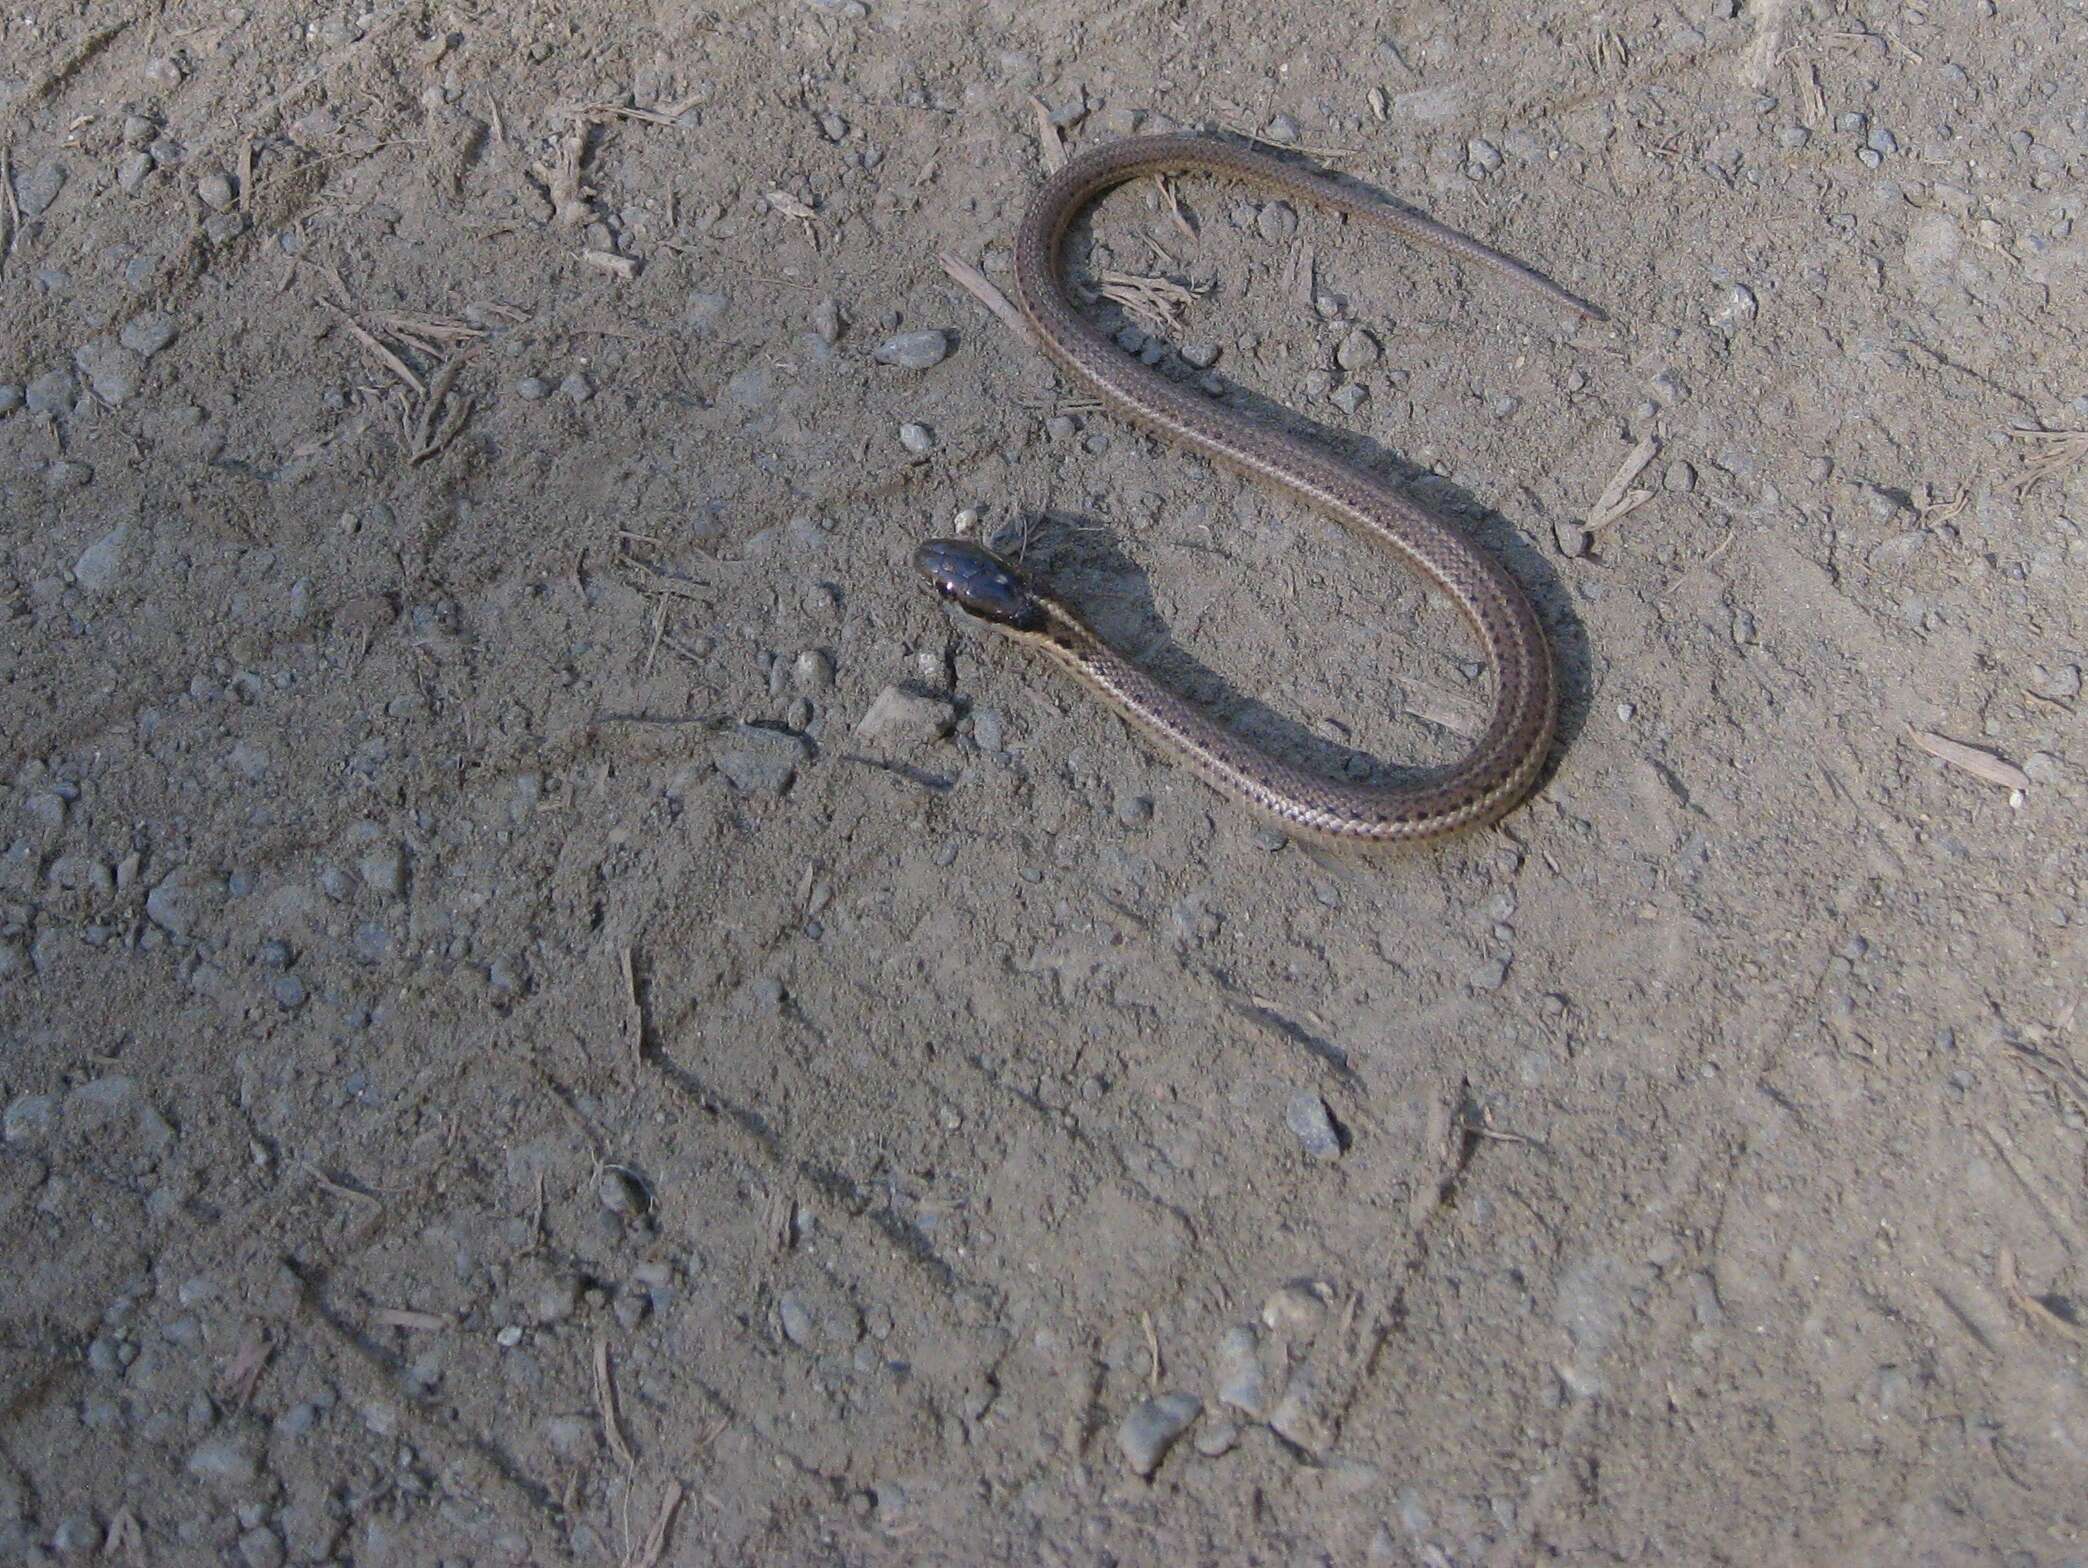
980 287
1154 303
377 350
605 1399
1618 500
2035 1310
2051 453
1980 764
1051 145
647 1554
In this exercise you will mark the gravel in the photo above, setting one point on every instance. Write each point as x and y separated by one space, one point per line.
1358 351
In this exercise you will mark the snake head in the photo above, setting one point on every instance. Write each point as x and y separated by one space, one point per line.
980 583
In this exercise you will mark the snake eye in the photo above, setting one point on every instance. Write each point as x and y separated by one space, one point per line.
979 583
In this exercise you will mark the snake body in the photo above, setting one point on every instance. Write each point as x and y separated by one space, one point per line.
1503 762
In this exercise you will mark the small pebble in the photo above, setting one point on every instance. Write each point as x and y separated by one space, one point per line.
916 438
1351 397
1680 477
112 370
1482 157
812 670
1295 1309
10 397
1307 1117
216 191
1134 811
134 169
1150 1430
532 389
289 993
621 1193
1201 355
1358 351
1572 540
1743 628
100 565
914 350
1277 221
577 387
795 1318
705 311
826 320
1489 976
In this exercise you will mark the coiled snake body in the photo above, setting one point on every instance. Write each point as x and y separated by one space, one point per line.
1501 765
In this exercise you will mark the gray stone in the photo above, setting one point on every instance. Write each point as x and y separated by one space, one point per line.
902 718
383 870
1151 1429
705 311
1306 1116
1482 157
53 393
795 1317
1572 540
261 1547
1301 1414
577 387
37 188
1489 976
29 1119
1237 1364
1358 351
180 900
100 565
916 438
1351 397
1218 1439
224 1461
826 320
10 397
1277 221
765 762
532 389
110 368
216 191
66 474
225 228
134 170
1681 477
147 334
914 350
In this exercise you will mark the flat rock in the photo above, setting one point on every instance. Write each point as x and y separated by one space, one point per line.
1151 1429
765 762
904 718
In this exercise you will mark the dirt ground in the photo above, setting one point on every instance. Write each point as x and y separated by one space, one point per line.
556 1006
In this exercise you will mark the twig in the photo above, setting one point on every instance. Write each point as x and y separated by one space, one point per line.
2056 451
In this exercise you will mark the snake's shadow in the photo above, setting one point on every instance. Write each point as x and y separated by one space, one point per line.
1082 561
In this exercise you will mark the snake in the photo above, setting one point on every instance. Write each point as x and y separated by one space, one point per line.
1502 764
